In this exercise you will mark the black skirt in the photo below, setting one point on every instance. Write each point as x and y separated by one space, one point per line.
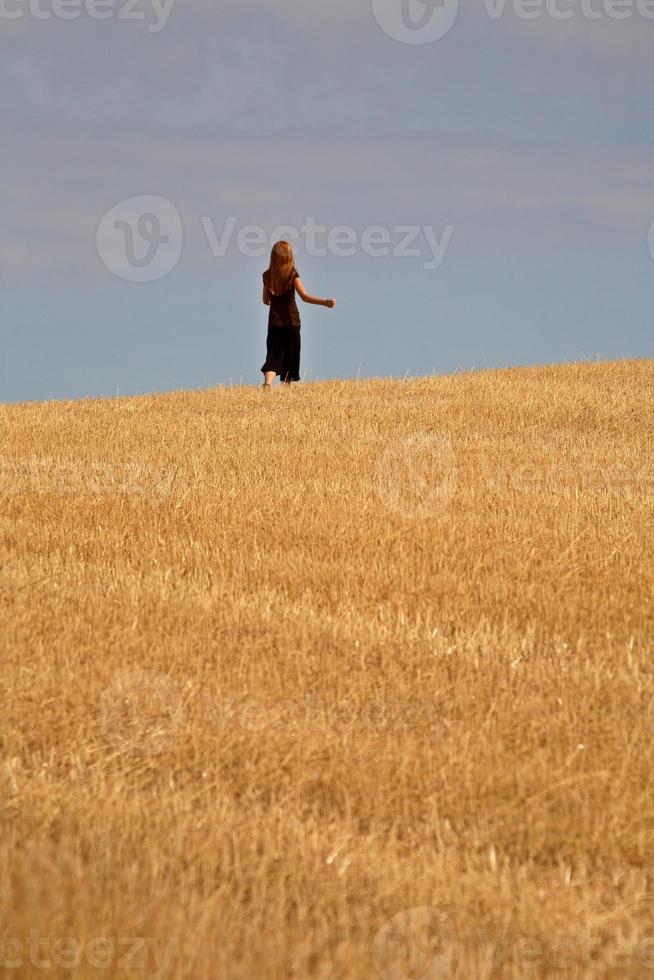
283 352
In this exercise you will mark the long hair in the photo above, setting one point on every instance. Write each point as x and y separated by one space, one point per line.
282 263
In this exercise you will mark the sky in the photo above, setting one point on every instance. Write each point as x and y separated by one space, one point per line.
472 181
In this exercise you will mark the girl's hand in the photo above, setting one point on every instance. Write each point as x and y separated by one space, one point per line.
331 303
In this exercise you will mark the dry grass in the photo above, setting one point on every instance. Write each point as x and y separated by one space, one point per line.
279 666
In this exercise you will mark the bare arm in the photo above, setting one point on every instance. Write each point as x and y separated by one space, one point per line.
266 296
308 298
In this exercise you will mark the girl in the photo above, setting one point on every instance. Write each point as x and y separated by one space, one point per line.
280 283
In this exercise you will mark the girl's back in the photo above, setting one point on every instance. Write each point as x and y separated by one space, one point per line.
283 308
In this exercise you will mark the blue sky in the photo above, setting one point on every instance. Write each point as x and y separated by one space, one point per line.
532 140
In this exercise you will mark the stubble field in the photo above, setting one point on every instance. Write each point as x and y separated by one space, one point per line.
348 680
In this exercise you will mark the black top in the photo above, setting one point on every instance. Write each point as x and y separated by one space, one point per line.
283 308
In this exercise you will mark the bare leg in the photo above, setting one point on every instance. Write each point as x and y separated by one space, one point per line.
269 378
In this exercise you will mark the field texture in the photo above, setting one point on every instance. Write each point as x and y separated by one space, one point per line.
347 680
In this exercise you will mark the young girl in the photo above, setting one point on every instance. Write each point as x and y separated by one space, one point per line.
280 283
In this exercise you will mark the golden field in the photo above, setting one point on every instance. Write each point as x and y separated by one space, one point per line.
343 680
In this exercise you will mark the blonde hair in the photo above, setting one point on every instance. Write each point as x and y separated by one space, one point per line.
282 264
